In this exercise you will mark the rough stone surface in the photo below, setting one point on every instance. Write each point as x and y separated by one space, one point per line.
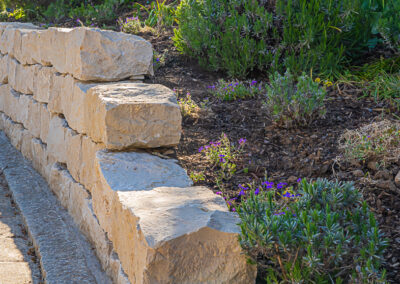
164 225
65 255
4 69
16 262
11 36
137 115
98 55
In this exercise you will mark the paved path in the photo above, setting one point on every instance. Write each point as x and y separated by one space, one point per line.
18 263
65 254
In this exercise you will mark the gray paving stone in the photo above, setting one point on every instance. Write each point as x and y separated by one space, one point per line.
65 255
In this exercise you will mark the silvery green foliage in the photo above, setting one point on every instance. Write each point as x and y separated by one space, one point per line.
290 104
323 234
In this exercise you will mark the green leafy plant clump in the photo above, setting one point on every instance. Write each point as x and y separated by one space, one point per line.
290 104
233 90
240 36
323 234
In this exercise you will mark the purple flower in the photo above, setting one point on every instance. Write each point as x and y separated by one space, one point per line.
280 213
299 180
218 193
257 191
241 193
268 184
234 209
243 187
281 185
158 59
253 83
201 149
211 87
237 83
287 194
242 141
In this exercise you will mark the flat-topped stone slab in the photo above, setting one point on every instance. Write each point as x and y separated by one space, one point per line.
167 231
138 115
88 54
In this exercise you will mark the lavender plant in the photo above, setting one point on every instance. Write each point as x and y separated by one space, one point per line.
131 25
233 90
290 103
223 154
324 233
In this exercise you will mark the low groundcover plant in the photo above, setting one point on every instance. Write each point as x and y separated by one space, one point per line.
323 233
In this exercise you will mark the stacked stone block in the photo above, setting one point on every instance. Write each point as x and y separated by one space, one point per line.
69 103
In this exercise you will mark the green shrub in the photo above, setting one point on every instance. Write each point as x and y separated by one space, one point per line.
290 104
388 23
234 90
323 234
159 15
241 36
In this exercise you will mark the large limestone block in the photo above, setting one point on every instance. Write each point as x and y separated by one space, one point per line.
26 145
15 132
34 122
44 122
137 115
73 149
4 90
11 103
22 78
10 36
74 197
99 55
167 232
34 48
60 94
4 69
24 104
43 84
58 138
129 171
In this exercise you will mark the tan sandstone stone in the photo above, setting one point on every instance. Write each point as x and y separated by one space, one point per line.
43 84
93 54
10 36
166 234
77 201
44 122
4 89
126 115
22 78
4 69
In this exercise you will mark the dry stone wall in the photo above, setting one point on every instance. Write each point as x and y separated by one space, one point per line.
71 102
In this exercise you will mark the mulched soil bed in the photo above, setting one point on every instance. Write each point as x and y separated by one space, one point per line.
285 155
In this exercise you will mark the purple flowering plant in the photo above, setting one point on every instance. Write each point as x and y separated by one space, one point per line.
314 234
131 25
223 156
234 90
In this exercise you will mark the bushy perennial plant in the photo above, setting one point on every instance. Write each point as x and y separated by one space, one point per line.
240 36
234 90
290 103
223 155
322 233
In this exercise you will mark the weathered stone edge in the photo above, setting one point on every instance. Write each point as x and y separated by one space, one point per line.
110 261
